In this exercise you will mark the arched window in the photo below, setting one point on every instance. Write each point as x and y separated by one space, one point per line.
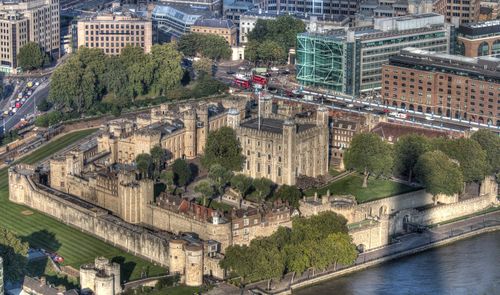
483 49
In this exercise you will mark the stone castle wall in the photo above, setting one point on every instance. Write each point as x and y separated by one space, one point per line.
371 236
23 190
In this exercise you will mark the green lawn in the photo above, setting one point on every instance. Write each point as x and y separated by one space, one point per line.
43 231
377 188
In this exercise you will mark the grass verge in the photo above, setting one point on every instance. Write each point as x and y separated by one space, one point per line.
352 185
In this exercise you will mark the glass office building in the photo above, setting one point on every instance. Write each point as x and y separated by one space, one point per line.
350 60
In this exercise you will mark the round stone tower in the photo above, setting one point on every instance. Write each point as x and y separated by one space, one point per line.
104 285
113 270
101 262
87 277
190 134
177 256
194 265
233 118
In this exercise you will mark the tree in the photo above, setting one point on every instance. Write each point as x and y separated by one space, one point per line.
439 174
206 189
470 156
262 188
167 70
188 44
182 173
144 163
271 52
368 154
220 176
290 194
341 248
31 56
407 150
252 50
115 79
224 149
43 105
490 142
168 178
14 253
241 183
207 85
158 157
203 65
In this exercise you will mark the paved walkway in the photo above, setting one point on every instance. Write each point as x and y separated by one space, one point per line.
403 243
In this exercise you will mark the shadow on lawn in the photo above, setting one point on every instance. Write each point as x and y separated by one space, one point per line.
126 268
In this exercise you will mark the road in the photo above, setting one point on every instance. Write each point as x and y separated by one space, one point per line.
28 108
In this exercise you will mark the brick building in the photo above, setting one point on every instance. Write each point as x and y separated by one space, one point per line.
466 11
479 39
444 85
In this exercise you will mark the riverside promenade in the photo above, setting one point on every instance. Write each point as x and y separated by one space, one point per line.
402 246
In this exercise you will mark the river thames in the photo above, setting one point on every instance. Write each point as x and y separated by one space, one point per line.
470 266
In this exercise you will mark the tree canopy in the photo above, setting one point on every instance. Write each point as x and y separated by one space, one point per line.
268 51
220 177
470 156
182 172
407 150
241 183
14 253
368 154
209 46
144 163
89 74
290 194
223 148
439 174
490 142
31 56
317 242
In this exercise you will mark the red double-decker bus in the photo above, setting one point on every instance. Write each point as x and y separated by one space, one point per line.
242 82
258 79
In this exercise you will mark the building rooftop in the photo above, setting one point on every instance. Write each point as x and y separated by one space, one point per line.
214 23
183 12
259 13
480 28
484 67
272 125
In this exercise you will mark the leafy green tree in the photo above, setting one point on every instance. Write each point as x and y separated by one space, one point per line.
182 172
188 44
261 31
439 174
341 248
368 154
168 178
490 142
224 149
290 194
239 259
220 176
470 156
262 188
271 52
115 79
214 47
31 56
158 157
167 70
241 183
43 105
407 150
144 163
14 253
252 50
203 65
206 189
207 85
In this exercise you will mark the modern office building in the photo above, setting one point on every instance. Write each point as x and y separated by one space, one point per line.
479 39
350 61
113 30
442 84
27 21
466 11
371 9
175 20
314 23
219 27
213 5
233 9
326 7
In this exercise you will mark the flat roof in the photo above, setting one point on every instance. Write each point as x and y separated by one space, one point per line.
272 125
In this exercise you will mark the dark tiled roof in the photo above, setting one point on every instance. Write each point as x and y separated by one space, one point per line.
36 286
214 23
